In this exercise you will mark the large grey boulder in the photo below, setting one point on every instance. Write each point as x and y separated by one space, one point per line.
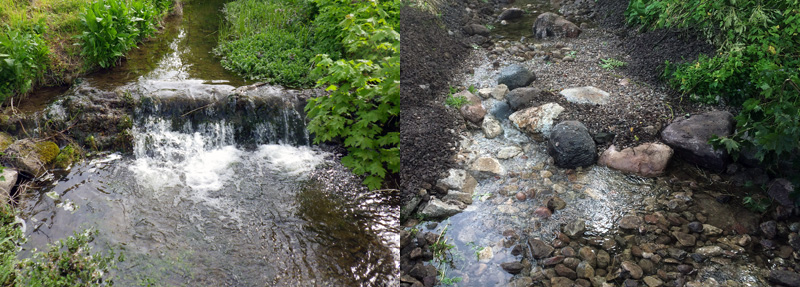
689 137
571 146
537 122
648 160
523 98
553 25
515 76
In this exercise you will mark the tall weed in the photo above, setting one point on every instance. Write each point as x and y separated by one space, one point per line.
112 27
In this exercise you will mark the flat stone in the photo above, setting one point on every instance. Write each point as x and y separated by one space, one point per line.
690 138
514 267
564 271
630 222
462 197
653 281
488 165
711 230
439 209
709 251
684 239
575 228
586 95
539 248
509 152
633 269
500 91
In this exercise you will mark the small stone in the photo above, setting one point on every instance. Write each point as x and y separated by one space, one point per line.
696 227
575 228
794 241
768 244
770 229
568 252
488 165
491 127
499 92
685 269
514 267
588 254
630 222
571 262
603 259
539 248
709 251
561 282
584 270
564 271
633 269
521 196
553 260
486 254
586 95
684 239
556 203
508 152
652 281
542 212
711 230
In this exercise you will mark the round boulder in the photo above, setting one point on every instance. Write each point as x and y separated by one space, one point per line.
571 146
515 76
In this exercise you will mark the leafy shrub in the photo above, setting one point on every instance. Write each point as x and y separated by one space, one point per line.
364 102
112 27
756 65
267 40
23 58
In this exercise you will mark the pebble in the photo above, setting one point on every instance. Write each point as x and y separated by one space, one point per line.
556 203
684 239
633 269
652 281
709 251
564 271
696 227
630 222
521 196
542 212
514 267
711 230
553 260
539 248
588 254
486 254
603 259
584 270
575 228
568 251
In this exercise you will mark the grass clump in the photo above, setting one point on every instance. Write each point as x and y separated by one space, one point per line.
23 60
610 63
756 66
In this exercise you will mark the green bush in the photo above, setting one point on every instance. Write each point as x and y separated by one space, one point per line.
23 59
112 27
364 102
70 262
756 65
268 40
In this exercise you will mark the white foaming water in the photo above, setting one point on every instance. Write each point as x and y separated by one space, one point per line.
291 160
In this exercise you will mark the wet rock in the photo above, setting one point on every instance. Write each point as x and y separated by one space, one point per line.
632 268
711 230
571 146
689 137
521 196
523 98
458 196
514 267
491 127
458 179
653 281
568 252
473 112
780 190
553 25
552 260
521 282
647 266
768 244
586 95
603 259
564 271
709 251
685 269
585 270
416 253
476 29
542 212
500 110
677 254
24 156
537 121
561 282
588 254
630 222
421 271
556 203
515 76
785 277
575 228
511 14
648 160
539 249
486 254
488 165
769 229
695 227
571 262
509 152
794 241
439 209
684 239
499 92
9 176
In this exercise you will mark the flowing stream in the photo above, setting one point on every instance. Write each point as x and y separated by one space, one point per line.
221 189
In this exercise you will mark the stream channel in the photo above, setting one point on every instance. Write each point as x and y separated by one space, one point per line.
221 189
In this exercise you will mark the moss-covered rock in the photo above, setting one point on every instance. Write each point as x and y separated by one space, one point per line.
66 157
5 140
47 151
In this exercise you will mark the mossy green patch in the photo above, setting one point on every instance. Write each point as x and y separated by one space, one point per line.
47 151
5 141
66 157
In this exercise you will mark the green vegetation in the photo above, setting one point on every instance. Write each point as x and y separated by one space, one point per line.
364 102
70 262
610 63
456 101
39 40
756 203
442 258
756 66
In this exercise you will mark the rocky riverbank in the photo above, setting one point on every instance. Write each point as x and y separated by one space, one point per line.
526 203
